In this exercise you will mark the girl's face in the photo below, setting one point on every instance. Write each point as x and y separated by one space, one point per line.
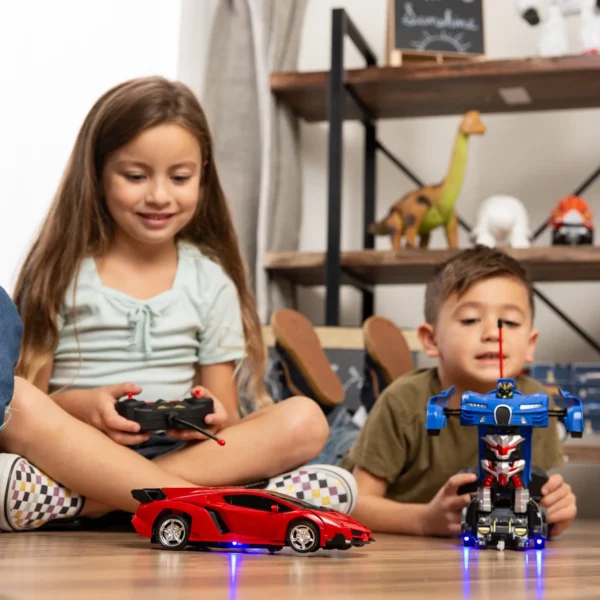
152 184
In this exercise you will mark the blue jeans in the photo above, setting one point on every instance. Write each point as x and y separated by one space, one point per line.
11 331
342 435
158 445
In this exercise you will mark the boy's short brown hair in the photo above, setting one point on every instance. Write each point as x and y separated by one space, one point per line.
459 273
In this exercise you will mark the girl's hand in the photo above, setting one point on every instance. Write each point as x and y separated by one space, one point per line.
214 421
98 409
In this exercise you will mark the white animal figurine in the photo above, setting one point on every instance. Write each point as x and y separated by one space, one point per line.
502 221
553 40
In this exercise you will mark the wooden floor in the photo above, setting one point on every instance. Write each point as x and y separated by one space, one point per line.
89 565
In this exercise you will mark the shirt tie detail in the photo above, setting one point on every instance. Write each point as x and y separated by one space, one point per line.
141 319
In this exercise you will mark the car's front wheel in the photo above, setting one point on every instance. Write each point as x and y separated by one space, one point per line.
173 532
303 537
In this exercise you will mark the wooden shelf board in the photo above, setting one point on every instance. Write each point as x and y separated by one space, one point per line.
345 338
554 263
415 90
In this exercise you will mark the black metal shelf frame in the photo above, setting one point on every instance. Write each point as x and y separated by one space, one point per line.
338 94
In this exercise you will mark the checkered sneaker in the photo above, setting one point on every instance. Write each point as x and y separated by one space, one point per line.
321 485
31 498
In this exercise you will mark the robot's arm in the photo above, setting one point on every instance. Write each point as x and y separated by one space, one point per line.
437 410
572 414
528 10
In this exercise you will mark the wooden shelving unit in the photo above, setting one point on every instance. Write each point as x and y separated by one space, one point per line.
492 86
375 92
425 90
413 265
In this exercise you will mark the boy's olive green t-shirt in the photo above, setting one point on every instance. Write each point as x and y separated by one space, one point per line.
394 444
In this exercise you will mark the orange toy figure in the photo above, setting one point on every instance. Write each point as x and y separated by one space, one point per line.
571 222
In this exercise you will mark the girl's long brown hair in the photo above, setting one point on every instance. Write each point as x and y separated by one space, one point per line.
79 224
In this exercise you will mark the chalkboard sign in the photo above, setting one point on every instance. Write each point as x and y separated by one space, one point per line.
436 27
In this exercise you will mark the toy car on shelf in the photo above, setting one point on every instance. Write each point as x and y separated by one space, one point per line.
504 513
571 222
238 517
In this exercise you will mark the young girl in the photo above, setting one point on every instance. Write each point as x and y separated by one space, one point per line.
136 285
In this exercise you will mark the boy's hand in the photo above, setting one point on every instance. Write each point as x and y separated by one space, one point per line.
442 515
98 409
560 503
214 421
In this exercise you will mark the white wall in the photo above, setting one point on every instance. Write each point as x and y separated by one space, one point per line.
537 157
194 36
56 58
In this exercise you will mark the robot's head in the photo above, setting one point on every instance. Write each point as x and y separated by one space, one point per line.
505 390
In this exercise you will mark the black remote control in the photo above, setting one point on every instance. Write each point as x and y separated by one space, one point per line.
161 415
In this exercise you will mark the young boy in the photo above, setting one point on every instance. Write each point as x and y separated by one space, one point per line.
407 480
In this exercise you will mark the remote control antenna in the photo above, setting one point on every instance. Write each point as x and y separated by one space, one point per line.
219 441
173 418
500 341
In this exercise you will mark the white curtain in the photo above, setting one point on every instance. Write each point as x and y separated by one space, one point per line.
256 139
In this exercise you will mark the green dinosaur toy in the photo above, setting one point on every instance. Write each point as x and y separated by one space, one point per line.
431 206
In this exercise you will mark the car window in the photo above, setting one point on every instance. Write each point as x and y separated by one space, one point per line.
282 507
253 501
301 503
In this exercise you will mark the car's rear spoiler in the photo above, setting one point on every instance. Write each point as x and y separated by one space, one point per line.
146 495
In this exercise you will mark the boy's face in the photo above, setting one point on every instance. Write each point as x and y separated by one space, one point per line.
466 339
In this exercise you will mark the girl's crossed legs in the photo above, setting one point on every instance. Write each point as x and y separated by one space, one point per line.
90 465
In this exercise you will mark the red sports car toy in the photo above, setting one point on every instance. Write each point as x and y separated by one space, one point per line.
238 517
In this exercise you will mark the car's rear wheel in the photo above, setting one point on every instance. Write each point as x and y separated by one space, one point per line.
303 537
173 532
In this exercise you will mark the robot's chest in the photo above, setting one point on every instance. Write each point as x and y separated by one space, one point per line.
503 447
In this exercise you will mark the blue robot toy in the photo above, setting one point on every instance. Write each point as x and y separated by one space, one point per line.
503 513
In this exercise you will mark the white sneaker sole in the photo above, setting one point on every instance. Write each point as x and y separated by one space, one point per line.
29 498
8 462
321 485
